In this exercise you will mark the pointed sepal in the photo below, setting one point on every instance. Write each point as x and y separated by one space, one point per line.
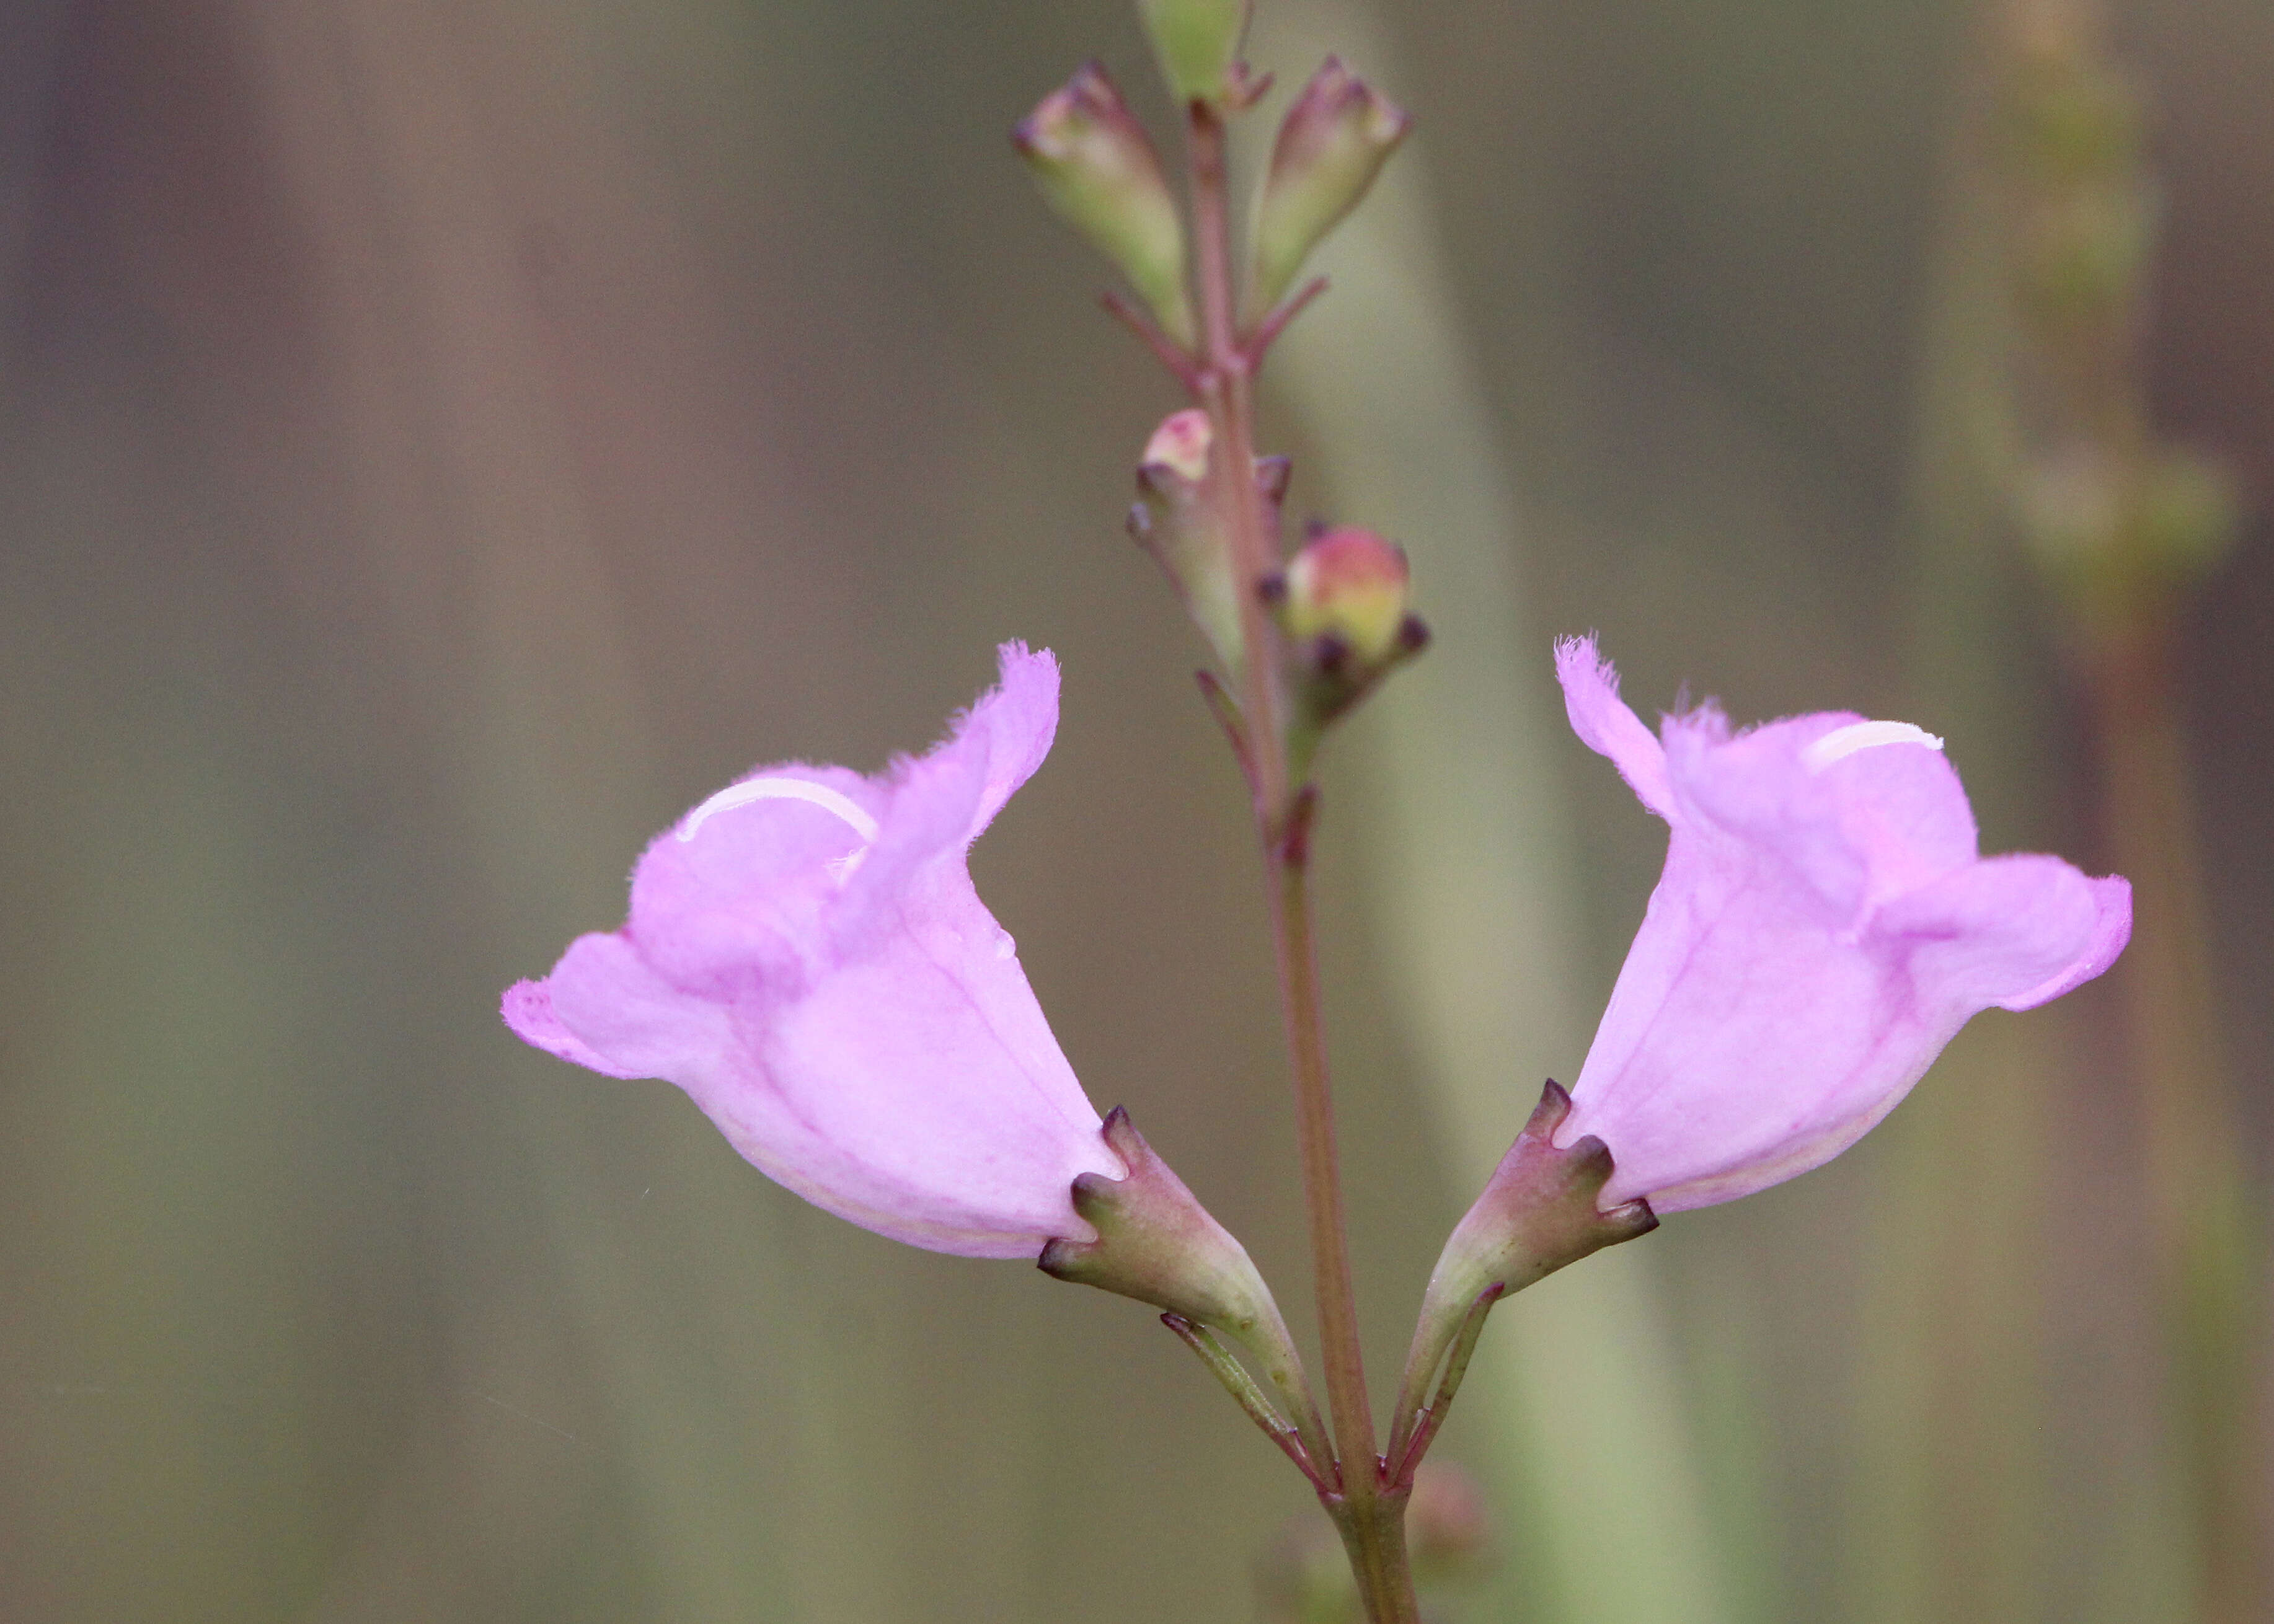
1537 1213
1157 1243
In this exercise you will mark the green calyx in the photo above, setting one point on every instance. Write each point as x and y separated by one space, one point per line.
1331 146
1175 520
1097 168
1157 1243
1537 1214
1197 42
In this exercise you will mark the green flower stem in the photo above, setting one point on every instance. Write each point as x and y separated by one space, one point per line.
1417 1423
1372 1522
1309 1458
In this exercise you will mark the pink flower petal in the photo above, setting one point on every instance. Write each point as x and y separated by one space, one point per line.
2010 931
807 959
1823 928
1607 727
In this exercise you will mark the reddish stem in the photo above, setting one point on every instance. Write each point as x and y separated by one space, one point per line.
1371 1522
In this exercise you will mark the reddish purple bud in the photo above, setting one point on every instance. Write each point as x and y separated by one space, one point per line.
1181 445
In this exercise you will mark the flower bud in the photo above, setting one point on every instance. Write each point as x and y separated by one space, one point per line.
2082 261
1348 585
1184 532
2190 514
1341 605
1097 168
1181 445
1332 144
1197 42
1342 617
2101 532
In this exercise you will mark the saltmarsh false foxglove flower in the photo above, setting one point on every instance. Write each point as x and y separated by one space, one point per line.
1824 926
806 957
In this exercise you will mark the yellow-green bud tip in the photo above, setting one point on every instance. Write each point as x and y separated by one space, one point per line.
1349 584
1197 42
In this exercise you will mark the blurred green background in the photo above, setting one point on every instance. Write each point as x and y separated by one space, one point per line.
441 442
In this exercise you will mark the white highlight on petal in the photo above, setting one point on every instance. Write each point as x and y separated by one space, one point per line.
1843 742
785 789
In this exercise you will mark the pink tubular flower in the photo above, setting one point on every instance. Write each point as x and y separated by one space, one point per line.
807 959
1825 925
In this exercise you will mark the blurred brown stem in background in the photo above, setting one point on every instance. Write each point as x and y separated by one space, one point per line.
2123 524
2205 1224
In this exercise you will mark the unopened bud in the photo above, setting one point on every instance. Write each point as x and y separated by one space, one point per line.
2071 120
1198 44
1341 607
1097 168
2071 509
1348 584
1181 445
2102 533
1334 141
2083 260
1176 521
